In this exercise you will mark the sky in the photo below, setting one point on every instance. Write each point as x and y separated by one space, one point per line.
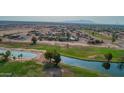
95 19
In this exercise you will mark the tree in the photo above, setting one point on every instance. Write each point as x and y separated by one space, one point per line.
6 55
48 55
53 57
114 37
57 58
20 56
93 33
14 58
34 40
67 45
0 39
108 57
68 36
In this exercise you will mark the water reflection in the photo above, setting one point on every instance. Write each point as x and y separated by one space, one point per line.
106 65
121 66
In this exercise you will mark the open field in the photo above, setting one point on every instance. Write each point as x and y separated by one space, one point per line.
98 35
13 31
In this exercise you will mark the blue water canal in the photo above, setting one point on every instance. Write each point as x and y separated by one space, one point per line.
113 69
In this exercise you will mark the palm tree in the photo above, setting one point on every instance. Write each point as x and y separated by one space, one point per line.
20 56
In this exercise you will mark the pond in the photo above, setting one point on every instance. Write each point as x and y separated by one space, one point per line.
113 69
16 53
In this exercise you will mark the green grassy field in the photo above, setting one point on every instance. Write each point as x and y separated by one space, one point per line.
87 53
81 72
33 69
20 69
97 35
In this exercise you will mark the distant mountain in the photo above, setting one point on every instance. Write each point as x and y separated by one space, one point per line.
31 22
80 21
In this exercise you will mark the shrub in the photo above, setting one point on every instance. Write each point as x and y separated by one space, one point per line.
108 57
48 55
0 39
34 40
6 55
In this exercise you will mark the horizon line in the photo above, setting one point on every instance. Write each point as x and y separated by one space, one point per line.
60 22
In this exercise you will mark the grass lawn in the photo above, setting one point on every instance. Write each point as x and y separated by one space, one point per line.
97 35
80 72
21 69
87 53
93 53
33 69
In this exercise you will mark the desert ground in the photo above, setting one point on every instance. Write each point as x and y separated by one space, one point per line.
46 29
